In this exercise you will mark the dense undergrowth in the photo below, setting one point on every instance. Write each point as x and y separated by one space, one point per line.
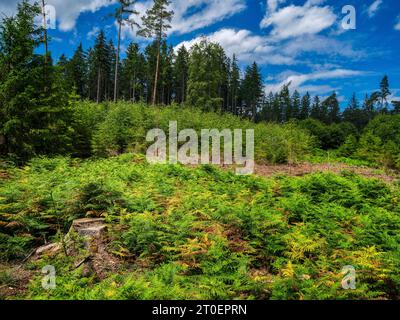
204 233
105 129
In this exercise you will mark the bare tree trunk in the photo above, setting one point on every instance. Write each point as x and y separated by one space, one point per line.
117 62
156 76
46 45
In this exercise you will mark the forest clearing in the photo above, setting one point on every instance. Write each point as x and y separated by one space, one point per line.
304 204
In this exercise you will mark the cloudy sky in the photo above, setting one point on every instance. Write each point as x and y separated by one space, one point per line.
301 41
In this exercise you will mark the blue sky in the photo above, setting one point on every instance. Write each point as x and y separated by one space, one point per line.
301 41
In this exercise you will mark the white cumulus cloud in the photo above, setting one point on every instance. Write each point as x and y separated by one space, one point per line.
67 11
300 81
189 15
250 47
292 21
247 46
192 15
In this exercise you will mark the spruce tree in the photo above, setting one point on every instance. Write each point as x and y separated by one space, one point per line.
33 106
286 103
324 111
181 74
305 106
316 108
277 109
133 73
92 75
333 106
111 66
166 74
296 105
156 23
252 90
354 114
234 84
384 94
78 70
369 105
266 113
63 66
101 67
270 114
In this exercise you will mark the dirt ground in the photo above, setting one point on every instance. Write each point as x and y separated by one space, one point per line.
18 281
307 168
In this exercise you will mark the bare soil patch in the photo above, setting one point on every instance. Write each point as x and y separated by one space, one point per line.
309 168
17 282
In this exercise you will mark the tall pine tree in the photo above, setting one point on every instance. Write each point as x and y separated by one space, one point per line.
33 104
305 106
252 90
333 109
207 76
124 16
384 94
133 74
296 105
234 85
155 25
101 67
78 71
316 108
181 74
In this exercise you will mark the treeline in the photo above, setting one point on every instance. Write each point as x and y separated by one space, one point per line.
282 107
204 77
37 96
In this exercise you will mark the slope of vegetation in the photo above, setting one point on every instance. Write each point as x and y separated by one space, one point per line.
109 129
203 233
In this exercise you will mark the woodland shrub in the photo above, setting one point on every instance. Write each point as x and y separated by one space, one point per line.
329 136
380 141
125 127
86 117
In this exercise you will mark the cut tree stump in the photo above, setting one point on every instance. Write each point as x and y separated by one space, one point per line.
97 260
91 228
